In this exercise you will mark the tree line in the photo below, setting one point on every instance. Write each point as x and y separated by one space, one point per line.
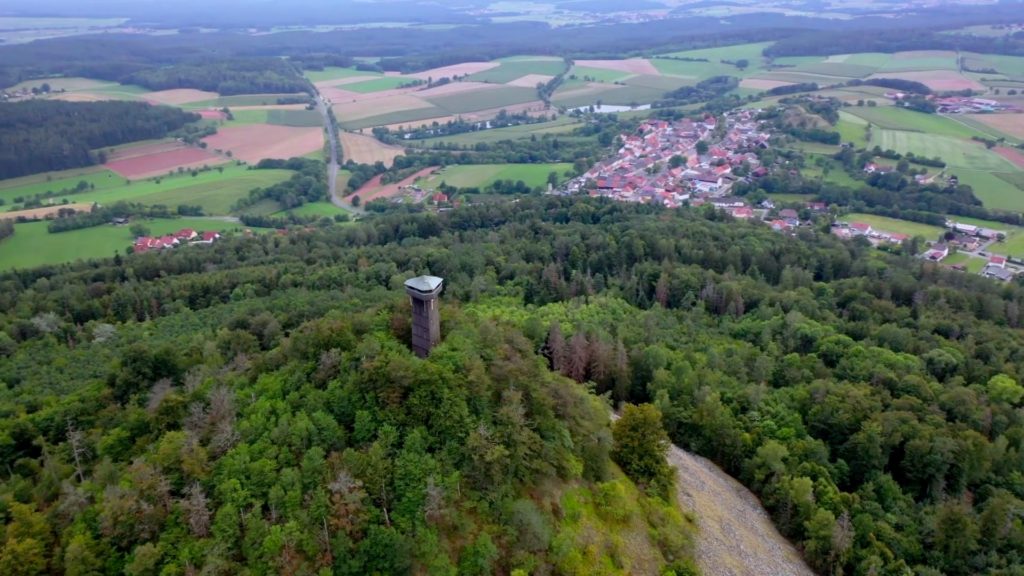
46 135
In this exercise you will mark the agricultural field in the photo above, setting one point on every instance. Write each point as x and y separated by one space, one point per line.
896 226
562 125
597 74
241 100
316 209
214 190
852 129
32 245
511 70
378 84
476 100
894 118
277 117
1009 125
256 142
481 175
365 149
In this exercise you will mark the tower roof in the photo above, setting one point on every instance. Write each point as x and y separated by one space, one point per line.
424 284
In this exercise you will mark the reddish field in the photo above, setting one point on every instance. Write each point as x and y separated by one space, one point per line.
1012 154
159 163
258 141
212 115
373 190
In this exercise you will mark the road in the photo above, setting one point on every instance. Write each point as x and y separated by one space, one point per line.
333 164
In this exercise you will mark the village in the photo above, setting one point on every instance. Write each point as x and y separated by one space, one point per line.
673 163
696 163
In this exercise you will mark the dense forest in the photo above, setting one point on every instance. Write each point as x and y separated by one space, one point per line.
226 77
276 422
45 135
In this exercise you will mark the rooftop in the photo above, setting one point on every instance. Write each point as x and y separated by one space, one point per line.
424 284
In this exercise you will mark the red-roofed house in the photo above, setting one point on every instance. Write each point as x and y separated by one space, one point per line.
998 261
744 212
861 228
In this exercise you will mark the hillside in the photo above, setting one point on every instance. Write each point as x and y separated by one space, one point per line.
275 420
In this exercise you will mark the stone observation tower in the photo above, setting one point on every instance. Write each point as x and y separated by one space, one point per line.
426 318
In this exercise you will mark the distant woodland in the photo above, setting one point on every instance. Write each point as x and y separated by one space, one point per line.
226 77
44 135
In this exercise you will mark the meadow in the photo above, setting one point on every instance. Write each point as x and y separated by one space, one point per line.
32 245
378 84
215 191
482 175
895 118
295 118
895 226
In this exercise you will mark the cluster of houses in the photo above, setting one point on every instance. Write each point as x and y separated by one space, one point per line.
964 238
849 230
183 236
960 104
648 169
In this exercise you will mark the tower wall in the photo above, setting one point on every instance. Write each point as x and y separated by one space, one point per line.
426 325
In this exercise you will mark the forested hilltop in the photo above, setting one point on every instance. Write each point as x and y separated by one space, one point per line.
253 405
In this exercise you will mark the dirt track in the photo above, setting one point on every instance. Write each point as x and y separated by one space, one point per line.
736 537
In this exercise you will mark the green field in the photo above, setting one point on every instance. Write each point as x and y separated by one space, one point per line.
296 118
956 152
462 103
335 73
696 70
379 84
872 59
749 52
481 175
787 75
852 129
215 191
562 125
973 264
792 198
29 186
841 69
894 226
33 246
241 100
317 209
902 63
410 117
662 83
598 74
895 118
514 69
993 191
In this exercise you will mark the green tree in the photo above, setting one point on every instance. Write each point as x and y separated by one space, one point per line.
640 446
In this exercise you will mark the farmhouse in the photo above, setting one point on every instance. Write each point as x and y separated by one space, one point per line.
185 235
937 252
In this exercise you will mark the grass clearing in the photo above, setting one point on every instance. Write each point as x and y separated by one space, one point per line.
325 209
895 226
482 175
696 70
841 69
32 245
